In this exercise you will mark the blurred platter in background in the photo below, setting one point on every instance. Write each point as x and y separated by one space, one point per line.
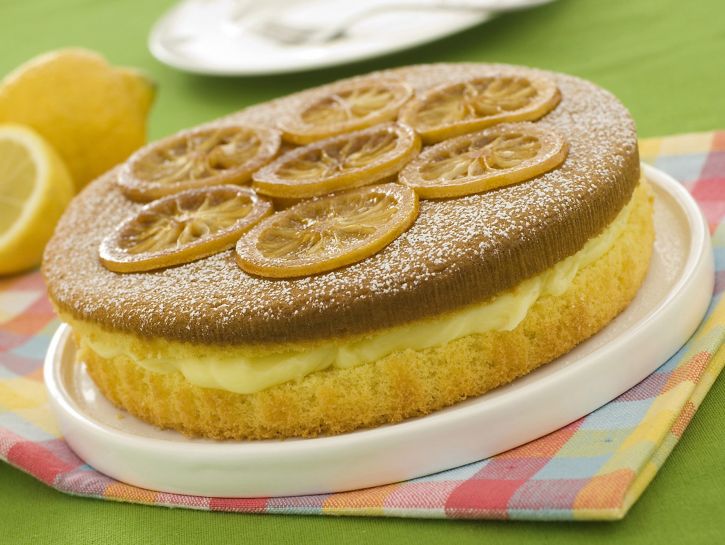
232 37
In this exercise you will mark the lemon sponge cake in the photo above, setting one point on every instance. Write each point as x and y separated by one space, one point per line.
424 234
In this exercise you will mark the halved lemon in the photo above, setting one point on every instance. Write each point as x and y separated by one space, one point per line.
181 228
498 156
346 107
327 233
197 158
342 162
35 188
452 109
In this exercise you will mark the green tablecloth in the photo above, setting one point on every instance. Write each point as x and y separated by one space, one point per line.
663 58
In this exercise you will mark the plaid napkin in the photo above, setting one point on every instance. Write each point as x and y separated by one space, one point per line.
592 469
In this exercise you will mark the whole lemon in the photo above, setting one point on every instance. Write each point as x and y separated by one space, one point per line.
92 113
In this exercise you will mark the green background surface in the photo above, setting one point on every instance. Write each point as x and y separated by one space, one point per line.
665 59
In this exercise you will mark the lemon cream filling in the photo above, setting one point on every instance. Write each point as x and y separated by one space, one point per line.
247 370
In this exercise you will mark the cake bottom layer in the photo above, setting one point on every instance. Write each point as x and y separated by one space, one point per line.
404 384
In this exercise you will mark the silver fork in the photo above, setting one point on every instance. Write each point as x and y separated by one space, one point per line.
293 34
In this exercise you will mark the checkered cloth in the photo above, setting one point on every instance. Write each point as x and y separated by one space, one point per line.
594 468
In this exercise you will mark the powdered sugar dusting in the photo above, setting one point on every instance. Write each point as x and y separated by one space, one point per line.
458 251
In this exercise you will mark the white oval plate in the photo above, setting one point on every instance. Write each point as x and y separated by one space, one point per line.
201 36
666 311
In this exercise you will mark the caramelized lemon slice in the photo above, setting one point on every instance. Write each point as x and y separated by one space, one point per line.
197 158
326 233
342 162
348 106
182 228
500 155
453 109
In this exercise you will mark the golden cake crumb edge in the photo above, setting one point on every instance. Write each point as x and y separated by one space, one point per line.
404 384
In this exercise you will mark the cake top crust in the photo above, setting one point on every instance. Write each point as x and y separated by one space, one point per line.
458 252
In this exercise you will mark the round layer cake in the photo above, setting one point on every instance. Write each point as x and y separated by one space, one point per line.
479 290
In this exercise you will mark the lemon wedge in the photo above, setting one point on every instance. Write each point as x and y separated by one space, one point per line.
35 188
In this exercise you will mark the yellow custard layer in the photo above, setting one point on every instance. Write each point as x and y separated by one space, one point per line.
249 369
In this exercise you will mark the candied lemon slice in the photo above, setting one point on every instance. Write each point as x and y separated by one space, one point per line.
500 155
345 107
181 228
329 232
341 162
197 158
466 106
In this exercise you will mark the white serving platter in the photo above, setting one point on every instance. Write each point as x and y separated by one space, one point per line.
666 311
218 37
